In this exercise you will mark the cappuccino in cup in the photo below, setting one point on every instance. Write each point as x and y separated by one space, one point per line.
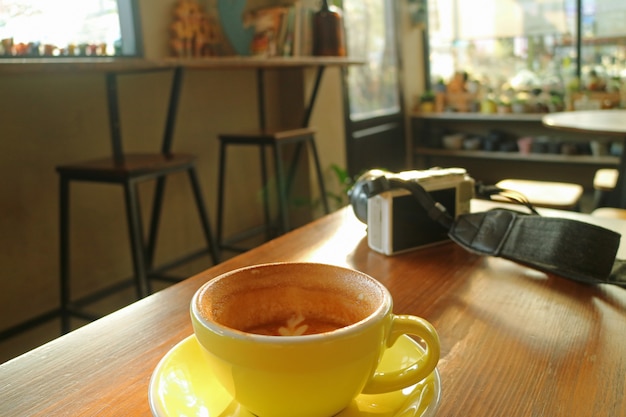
303 339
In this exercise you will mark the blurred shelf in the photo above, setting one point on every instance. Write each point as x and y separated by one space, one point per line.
481 117
516 156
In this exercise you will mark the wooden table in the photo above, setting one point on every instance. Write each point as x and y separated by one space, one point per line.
515 342
610 122
606 122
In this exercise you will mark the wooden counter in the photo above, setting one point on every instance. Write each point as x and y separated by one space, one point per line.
515 342
50 65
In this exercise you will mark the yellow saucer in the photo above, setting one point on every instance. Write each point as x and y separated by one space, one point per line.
182 384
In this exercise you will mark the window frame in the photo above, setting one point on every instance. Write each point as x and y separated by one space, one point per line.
130 33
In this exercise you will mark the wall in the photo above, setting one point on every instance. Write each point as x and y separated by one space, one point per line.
49 120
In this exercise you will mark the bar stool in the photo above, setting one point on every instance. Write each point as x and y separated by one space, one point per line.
604 182
558 195
609 213
275 140
128 170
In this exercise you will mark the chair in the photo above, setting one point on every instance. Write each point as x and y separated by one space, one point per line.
276 140
604 182
609 213
128 170
558 195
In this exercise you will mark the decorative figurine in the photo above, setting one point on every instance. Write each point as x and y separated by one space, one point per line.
193 33
7 46
457 83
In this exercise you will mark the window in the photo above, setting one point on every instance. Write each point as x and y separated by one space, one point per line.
68 28
529 44
373 88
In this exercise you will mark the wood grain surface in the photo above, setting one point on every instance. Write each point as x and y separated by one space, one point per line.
515 342
22 66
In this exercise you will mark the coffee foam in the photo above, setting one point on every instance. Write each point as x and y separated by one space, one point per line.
253 297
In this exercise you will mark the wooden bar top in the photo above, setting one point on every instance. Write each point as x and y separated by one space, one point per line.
112 64
514 341
239 62
18 66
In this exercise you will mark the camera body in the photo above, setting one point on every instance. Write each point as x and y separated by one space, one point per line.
396 222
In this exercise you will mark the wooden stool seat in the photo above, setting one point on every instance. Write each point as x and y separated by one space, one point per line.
559 195
605 179
609 213
268 136
604 182
133 165
275 140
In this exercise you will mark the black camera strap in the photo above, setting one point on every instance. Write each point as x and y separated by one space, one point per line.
576 250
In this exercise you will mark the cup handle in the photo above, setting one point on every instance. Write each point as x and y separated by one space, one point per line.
414 373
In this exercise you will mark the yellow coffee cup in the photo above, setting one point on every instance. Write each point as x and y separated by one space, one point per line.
304 339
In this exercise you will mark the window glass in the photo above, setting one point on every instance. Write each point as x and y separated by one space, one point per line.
67 28
603 49
528 45
373 87
502 41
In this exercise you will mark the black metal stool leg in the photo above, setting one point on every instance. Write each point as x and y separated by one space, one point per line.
202 212
220 193
64 255
281 188
318 170
155 218
320 177
265 193
136 239
293 167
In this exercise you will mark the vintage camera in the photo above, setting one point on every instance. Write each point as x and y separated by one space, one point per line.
396 220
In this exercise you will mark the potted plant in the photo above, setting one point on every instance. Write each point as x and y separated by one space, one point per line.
556 103
504 105
427 102
518 105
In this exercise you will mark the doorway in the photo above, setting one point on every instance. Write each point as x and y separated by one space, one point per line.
375 131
